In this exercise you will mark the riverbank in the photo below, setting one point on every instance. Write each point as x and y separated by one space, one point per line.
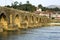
54 24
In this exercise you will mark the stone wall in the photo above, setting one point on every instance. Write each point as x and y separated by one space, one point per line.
12 19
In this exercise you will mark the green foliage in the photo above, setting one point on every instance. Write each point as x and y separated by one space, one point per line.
15 3
45 8
25 7
8 6
55 9
40 6
29 7
27 2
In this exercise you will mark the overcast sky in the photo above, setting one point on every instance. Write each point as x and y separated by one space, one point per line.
34 2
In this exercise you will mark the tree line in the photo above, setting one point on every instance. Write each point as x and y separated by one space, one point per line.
29 7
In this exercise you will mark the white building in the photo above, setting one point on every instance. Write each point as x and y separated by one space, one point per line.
38 11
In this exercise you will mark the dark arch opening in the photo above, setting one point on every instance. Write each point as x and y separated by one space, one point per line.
17 16
3 15
32 18
26 18
37 18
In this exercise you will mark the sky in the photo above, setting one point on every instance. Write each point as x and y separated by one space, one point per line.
34 2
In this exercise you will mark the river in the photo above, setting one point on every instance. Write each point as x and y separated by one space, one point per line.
44 33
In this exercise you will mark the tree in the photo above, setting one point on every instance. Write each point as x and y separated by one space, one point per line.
8 6
40 6
15 3
20 3
26 7
27 2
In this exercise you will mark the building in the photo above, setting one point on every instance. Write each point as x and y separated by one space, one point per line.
38 11
49 13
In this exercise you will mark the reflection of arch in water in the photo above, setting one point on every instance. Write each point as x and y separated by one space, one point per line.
3 20
17 20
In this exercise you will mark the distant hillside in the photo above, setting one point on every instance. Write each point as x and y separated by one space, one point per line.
54 6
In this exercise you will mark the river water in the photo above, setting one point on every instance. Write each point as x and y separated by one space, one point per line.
44 33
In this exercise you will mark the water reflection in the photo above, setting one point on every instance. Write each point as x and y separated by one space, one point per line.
45 33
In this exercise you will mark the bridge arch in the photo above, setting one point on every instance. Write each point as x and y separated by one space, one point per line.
17 20
3 15
3 20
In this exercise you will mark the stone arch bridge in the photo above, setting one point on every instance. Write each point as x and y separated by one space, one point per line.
12 19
